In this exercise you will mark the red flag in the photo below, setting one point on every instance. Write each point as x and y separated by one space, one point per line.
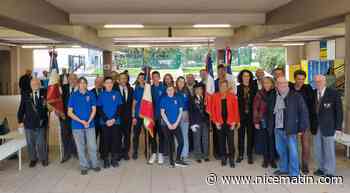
54 98
146 109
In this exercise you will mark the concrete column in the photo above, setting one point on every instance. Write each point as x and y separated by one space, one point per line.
347 75
107 63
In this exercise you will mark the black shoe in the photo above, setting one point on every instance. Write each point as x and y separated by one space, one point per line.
172 164
250 160
32 164
126 157
96 169
180 163
273 164
239 159
106 163
265 164
223 162
319 172
206 159
134 156
280 173
83 172
45 163
65 159
199 160
305 170
115 163
232 163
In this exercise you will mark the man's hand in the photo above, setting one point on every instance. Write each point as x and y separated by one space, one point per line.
238 125
134 121
85 124
21 125
257 126
218 126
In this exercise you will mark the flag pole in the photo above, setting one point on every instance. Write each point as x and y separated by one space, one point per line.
210 130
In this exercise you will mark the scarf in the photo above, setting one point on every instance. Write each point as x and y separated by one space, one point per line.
279 109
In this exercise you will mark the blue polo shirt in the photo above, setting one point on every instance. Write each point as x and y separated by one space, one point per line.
185 100
82 105
171 106
157 93
110 101
138 94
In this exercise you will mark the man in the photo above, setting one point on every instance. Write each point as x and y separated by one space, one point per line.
64 77
45 80
190 82
82 110
33 117
108 104
126 92
97 90
306 91
287 115
259 74
25 82
329 115
158 91
204 76
278 72
69 148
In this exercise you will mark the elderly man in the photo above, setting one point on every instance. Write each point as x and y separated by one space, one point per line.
33 117
97 90
329 115
190 82
287 115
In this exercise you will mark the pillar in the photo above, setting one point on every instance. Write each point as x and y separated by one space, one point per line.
347 75
107 62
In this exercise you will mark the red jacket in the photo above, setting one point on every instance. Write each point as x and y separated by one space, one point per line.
232 109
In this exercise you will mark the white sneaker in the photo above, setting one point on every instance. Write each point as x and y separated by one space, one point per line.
152 159
160 158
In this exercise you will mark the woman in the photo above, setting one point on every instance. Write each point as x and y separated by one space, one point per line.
171 112
136 119
168 80
82 110
199 122
259 119
225 116
184 95
246 92
109 103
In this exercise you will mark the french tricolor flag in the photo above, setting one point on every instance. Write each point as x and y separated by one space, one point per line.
210 87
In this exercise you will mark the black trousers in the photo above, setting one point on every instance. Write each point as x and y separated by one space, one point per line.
125 129
68 143
136 135
216 145
269 145
169 138
110 142
246 126
153 140
227 138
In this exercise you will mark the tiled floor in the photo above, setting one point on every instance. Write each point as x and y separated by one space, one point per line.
138 177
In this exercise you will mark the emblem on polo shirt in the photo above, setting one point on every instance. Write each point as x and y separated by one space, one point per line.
175 102
113 97
87 98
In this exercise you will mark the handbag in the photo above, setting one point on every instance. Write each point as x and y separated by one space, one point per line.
4 127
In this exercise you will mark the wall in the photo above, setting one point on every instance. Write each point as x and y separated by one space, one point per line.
340 48
5 72
312 51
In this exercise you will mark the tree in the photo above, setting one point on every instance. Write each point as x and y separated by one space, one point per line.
269 58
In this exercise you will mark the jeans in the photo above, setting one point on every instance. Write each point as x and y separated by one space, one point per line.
67 138
287 149
201 141
184 125
169 138
324 148
85 140
110 142
36 144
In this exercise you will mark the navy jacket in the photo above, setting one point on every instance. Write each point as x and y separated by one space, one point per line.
296 115
197 112
330 116
31 115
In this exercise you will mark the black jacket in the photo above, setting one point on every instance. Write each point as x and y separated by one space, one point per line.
330 116
296 115
308 94
33 116
240 94
126 108
197 112
24 84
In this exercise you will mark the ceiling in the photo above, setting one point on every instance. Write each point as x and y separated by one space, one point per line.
11 36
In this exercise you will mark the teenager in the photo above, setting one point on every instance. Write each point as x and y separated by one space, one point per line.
183 93
158 91
137 121
168 80
171 112
226 118
199 124
246 92
82 110
109 102
260 122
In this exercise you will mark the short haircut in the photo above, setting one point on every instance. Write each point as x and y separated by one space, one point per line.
82 79
108 78
299 72
155 73
278 68
221 66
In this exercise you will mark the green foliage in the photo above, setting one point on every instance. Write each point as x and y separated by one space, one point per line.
269 58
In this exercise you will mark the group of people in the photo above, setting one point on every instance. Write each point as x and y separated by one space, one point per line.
283 113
